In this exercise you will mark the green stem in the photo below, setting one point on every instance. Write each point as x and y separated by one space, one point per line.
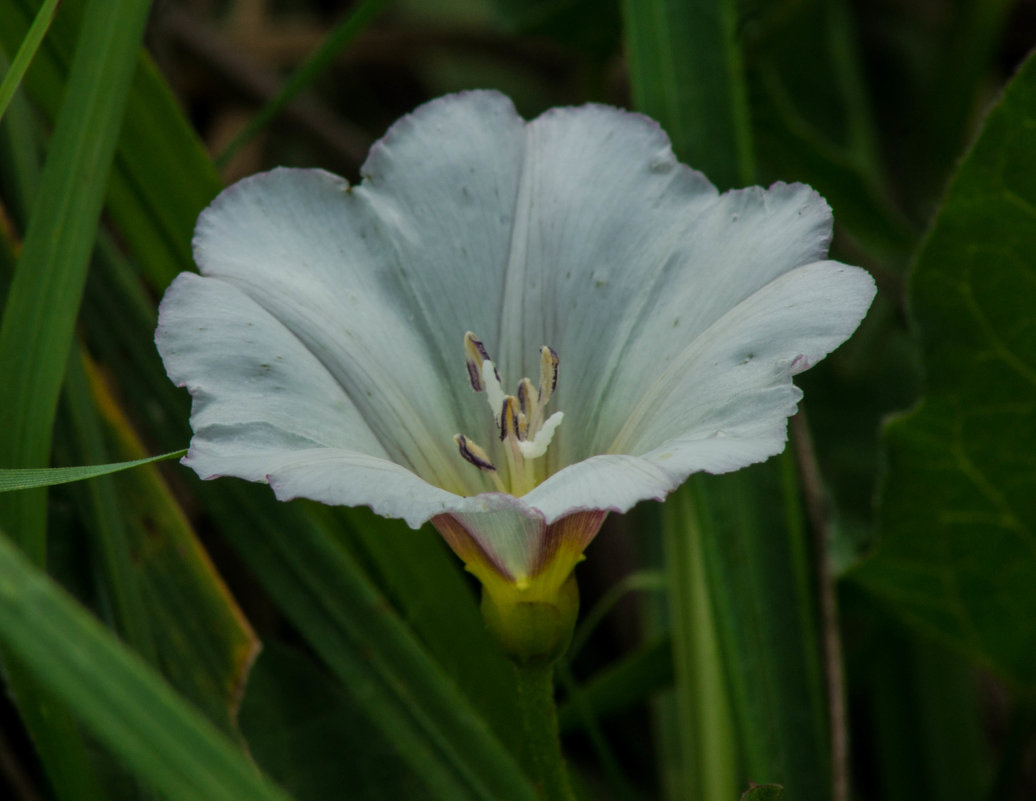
541 748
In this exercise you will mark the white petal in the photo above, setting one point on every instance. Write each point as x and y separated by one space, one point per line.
735 378
266 409
255 386
611 482
723 403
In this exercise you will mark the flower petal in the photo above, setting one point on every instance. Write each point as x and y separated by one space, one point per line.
735 377
723 403
255 386
294 242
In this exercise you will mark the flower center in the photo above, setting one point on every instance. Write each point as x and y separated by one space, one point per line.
524 431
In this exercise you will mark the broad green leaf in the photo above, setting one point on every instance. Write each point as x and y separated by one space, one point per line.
128 707
21 478
685 65
958 511
919 709
13 75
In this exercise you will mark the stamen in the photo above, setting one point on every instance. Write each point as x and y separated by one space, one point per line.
527 397
473 453
475 355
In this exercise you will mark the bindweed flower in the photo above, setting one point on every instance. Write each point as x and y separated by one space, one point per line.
508 329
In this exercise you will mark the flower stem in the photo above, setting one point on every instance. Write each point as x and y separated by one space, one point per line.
541 747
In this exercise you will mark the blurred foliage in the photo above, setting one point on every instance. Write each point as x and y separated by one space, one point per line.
377 679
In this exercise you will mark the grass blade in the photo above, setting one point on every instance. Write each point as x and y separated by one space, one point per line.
23 58
22 478
308 71
36 333
128 707
686 69
706 733
39 316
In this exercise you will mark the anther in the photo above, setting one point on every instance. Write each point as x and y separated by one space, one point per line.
527 397
475 355
509 426
473 453
548 373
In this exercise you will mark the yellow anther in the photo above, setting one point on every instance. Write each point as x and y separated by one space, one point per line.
475 355
548 374
473 453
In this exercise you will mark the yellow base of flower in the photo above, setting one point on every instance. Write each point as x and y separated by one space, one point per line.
531 632
531 609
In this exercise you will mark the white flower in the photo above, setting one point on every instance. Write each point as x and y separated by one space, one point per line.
326 342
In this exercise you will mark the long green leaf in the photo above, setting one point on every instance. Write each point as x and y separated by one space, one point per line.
20 167
161 178
41 307
101 504
758 561
168 745
39 315
708 752
203 644
23 58
22 478
686 68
